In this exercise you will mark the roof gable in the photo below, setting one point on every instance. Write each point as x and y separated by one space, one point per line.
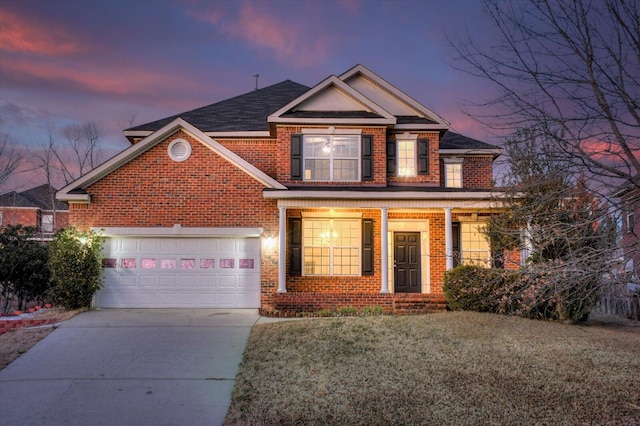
334 101
75 190
391 98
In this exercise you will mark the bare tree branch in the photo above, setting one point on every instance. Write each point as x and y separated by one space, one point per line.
10 158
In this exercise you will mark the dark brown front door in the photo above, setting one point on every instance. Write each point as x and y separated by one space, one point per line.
406 255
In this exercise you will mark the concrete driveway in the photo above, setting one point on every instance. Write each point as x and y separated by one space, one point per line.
129 367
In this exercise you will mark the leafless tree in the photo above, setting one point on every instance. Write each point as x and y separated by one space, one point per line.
570 69
10 158
81 150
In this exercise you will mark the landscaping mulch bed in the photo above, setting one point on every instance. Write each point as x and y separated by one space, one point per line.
448 368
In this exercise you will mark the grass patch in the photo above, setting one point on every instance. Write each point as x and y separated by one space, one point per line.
449 368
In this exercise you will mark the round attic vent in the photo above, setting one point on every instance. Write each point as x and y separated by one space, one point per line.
179 150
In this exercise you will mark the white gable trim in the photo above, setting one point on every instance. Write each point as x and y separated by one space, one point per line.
152 140
341 85
361 69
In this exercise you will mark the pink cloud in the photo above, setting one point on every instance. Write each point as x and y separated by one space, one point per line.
21 35
282 37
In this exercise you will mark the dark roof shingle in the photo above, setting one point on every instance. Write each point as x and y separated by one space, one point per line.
39 197
452 140
246 112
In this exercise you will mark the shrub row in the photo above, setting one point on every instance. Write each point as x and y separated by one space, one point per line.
67 270
555 291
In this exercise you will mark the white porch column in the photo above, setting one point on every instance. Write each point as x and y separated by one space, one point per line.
384 249
448 239
282 250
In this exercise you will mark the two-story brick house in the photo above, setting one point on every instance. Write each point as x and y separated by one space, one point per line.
290 198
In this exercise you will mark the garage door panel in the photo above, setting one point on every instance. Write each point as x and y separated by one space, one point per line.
181 272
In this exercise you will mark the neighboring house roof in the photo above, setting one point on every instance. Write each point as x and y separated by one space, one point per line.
246 112
39 197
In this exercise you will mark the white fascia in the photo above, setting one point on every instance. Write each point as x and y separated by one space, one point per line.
137 133
341 85
361 69
494 152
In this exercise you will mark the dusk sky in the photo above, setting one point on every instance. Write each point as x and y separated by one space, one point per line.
67 61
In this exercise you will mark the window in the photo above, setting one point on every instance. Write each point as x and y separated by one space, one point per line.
453 173
475 249
406 158
332 158
47 223
331 247
630 221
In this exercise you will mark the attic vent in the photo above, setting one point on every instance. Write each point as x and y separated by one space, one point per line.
179 150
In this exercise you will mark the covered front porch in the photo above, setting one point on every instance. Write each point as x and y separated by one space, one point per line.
360 252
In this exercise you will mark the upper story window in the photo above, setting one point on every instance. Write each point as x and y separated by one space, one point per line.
453 172
630 220
331 158
407 156
331 155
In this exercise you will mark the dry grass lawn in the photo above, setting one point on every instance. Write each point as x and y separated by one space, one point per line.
449 368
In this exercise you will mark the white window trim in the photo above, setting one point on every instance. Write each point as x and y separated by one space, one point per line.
463 249
453 160
358 158
331 274
415 157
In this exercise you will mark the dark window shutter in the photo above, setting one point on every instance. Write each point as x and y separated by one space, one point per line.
423 156
296 157
391 158
367 157
367 247
295 246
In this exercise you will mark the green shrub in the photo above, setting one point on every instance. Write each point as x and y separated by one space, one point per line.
372 311
324 313
75 261
347 311
24 274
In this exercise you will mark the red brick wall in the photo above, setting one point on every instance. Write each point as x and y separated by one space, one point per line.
20 216
262 153
204 191
477 172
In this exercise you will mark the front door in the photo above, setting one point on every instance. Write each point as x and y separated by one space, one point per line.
406 264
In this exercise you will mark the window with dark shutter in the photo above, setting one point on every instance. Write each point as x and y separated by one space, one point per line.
423 156
367 247
391 158
367 157
296 157
295 247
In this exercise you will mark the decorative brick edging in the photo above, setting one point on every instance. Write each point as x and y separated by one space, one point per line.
18 324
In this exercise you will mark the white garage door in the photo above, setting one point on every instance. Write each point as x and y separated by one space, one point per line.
181 273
